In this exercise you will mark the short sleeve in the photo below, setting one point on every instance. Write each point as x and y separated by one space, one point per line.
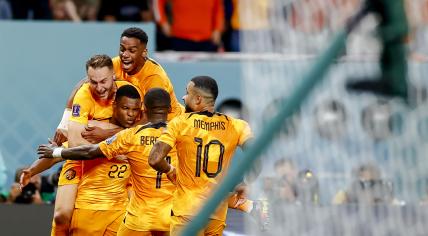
244 131
170 134
157 81
81 108
117 144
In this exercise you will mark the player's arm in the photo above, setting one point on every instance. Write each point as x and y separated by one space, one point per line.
85 152
75 138
161 17
158 162
98 131
76 88
37 167
61 132
157 157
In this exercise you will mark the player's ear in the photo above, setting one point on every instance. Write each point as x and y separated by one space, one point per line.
145 53
199 99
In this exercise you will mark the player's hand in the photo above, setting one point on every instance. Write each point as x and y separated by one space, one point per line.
45 151
59 137
94 134
25 178
122 158
172 176
241 191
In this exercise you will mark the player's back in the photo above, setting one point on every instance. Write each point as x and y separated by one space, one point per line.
205 145
150 204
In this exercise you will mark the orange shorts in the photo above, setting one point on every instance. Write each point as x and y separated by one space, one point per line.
95 222
214 227
71 173
125 231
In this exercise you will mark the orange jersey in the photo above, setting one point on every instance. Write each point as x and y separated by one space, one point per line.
205 144
192 20
86 108
152 75
150 206
103 183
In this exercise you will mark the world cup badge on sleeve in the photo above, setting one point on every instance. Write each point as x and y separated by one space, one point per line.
75 110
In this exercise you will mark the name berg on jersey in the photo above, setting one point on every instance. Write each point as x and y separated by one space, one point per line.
208 126
148 140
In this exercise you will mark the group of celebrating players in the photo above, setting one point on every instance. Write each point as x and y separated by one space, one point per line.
137 162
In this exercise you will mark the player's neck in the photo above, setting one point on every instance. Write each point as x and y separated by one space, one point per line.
114 121
156 118
208 108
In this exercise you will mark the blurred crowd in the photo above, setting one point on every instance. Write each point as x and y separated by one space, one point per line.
181 25
40 190
212 25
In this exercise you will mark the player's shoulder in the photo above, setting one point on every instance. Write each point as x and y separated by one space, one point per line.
149 127
154 67
83 91
153 62
207 115
120 83
116 60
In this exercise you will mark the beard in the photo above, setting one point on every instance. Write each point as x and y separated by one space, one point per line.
188 109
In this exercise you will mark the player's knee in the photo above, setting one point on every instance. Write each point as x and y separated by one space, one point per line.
62 217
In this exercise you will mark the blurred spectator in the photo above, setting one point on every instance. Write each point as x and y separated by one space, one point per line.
31 9
250 18
125 11
196 25
330 119
232 107
367 187
5 10
282 188
75 10
307 188
29 194
163 42
285 169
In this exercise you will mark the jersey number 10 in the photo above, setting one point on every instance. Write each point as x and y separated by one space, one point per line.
204 164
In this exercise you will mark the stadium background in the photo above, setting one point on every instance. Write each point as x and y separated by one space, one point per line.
41 61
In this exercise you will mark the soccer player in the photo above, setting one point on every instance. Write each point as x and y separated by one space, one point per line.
93 101
149 209
205 143
133 65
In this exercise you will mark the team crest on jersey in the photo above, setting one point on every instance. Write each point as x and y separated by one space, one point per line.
75 110
70 174
111 139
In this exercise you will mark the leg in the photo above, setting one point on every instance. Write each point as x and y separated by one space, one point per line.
65 197
125 231
64 206
214 228
178 223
